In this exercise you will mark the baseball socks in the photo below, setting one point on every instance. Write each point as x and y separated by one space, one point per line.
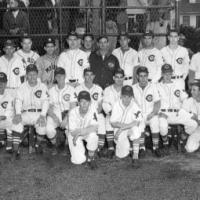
135 161
101 143
9 142
110 141
142 149
91 160
16 143
155 140
2 137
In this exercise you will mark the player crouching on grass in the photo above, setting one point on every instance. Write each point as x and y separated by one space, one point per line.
126 118
83 126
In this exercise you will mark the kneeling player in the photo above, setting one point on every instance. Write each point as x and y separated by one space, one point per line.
83 126
126 118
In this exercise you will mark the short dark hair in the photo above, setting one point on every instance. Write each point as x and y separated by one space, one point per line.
173 31
88 35
101 37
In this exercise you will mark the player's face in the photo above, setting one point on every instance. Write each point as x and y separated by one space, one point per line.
195 91
147 41
2 87
87 43
103 44
32 78
124 41
73 42
126 100
173 38
26 44
84 105
13 3
143 79
50 49
60 78
167 76
118 79
9 50
89 77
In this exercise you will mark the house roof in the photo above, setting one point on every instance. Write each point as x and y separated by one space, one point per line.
188 8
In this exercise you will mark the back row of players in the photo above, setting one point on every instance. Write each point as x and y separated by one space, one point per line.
106 108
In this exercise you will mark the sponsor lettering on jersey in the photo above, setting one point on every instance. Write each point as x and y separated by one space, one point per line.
4 104
149 98
38 93
50 68
177 93
80 62
31 60
66 97
151 58
95 96
179 61
16 71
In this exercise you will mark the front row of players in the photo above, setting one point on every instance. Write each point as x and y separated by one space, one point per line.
120 115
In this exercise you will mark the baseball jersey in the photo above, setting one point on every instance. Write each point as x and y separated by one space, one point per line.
152 59
13 69
46 66
76 121
127 60
60 98
178 59
74 62
171 95
110 96
126 115
194 65
28 97
145 98
95 91
27 58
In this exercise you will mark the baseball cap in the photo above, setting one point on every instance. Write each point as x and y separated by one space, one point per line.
119 71
196 82
49 41
148 33
84 95
142 69
127 90
101 37
72 33
9 43
166 68
31 68
3 77
59 70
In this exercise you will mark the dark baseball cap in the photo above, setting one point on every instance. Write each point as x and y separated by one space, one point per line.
127 90
148 33
166 68
3 77
142 69
49 41
119 71
9 43
72 33
196 82
31 68
59 70
84 95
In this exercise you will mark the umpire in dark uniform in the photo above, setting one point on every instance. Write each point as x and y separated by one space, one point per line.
103 63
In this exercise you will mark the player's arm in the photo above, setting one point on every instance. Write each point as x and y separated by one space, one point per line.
192 69
18 106
106 104
159 62
45 101
186 64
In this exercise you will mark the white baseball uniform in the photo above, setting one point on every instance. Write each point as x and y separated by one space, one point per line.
179 60
31 102
193 142
172 97
59 101
76 121
126 115
74 62
152 59
146 98
194 65
127 61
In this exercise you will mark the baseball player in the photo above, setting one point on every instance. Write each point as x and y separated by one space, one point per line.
46 64
62 98
147 97
192 105
110 96
88 42
150 57
83 126
194 71
31 106
96 94
26 55
172 97
12 66
177 56
126 118
7 111
127 57
73 60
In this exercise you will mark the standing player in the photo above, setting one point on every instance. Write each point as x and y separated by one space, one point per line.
147 97
25 53
177 56
12 66
31 106
126 118
172 97
150 57
61 99
83 126
127 57
111 95
73 60
47 64
88 42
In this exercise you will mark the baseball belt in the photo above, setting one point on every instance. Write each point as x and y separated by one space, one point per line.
33 110
177 77
128 78
169 110
73 80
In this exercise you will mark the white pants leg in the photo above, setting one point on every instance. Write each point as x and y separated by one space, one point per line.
102 125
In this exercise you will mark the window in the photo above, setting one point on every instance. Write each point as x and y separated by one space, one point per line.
186 20
197 21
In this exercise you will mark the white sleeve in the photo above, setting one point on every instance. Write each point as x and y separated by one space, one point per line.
107 106
186 64
115 114
61 61
73 120
19 102
45 103
159 62
193 64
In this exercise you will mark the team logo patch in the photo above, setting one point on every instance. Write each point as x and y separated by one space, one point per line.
151 58
4 104
137 114
38 93
177 93
95 96
16 71
179 61
149 98
80 62
66 97
111 65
